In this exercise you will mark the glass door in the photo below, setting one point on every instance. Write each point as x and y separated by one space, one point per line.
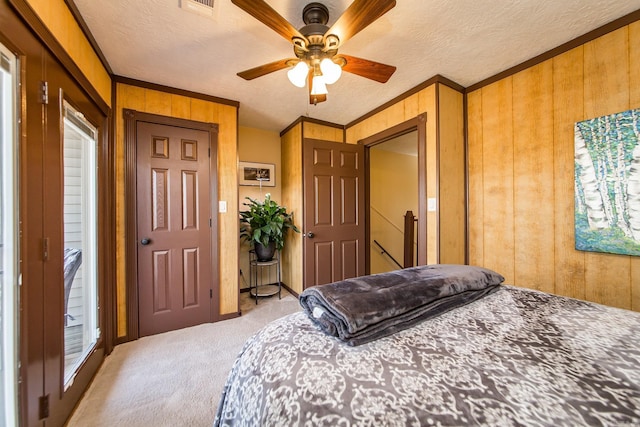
8 238
80 250
64 177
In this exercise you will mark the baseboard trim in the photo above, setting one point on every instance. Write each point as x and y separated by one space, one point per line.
229 316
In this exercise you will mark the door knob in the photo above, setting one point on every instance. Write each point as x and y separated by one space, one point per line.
310 235
145 241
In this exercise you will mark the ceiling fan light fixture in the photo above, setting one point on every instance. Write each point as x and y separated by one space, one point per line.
330 70
317 62
298 74
318 86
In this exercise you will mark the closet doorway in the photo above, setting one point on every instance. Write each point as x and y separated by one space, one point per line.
393 195
395 162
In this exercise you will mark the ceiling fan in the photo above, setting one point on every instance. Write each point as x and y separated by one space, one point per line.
315 45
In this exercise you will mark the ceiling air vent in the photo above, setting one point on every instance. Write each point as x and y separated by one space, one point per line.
201 7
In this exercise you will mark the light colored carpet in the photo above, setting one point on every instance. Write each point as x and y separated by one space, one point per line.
175 378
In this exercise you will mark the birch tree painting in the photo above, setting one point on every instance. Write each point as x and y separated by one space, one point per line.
607 183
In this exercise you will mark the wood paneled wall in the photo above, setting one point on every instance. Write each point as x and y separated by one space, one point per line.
167 104
56 16
521 170
319 131
410 107
292 198
451 183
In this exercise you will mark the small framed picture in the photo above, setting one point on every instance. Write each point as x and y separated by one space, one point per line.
257 174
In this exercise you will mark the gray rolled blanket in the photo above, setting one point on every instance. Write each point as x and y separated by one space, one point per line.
366 308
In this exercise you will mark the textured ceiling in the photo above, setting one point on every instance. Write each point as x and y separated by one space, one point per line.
464 40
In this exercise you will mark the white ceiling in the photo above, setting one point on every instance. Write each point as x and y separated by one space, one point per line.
464 40
404 144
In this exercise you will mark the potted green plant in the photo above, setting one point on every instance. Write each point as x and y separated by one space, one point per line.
265 225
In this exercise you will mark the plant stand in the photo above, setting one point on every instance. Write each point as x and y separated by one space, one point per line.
257 287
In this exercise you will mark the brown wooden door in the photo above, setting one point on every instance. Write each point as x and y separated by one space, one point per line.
334 231
174 228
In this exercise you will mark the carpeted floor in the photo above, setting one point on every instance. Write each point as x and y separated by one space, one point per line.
175 378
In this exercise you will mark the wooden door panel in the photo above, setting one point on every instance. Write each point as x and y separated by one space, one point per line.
160 147
349 201
350 261
323 202
161 280
174 268
159 199
323 157
349 160
323 255
189 200
333 207
190 267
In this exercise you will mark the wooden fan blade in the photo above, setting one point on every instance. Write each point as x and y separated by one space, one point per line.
366 68
268 16
264 69
357 16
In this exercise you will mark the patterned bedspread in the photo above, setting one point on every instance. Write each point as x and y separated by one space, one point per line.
515 357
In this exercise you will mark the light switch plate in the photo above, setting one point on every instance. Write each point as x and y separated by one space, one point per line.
431 204
222 206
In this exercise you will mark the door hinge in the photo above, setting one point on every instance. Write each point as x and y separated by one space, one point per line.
44 92
210 293
209 152
43 407
209 222
45 249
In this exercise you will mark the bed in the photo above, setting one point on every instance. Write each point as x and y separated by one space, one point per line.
511 357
